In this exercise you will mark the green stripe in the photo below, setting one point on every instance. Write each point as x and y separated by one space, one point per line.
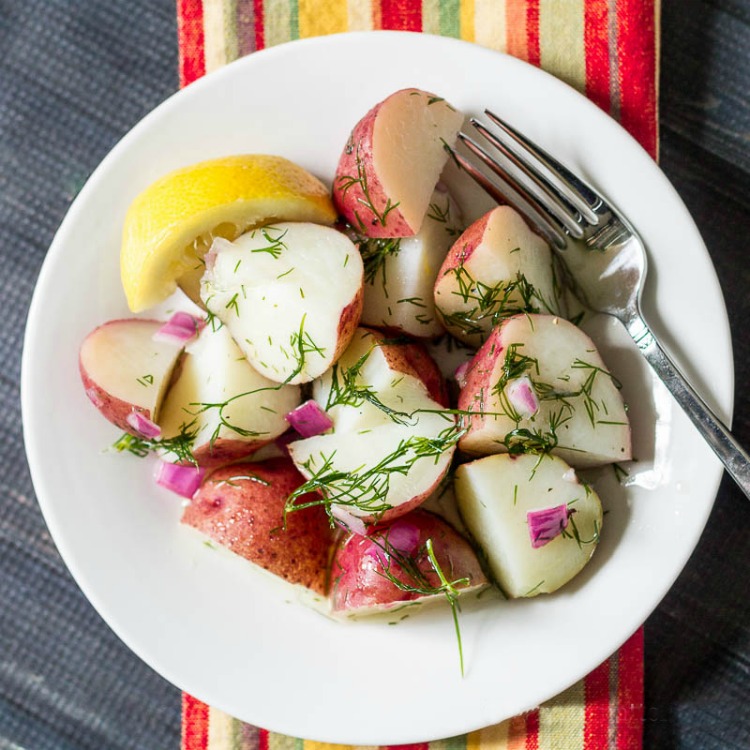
276 23
294 19
450 18
230 30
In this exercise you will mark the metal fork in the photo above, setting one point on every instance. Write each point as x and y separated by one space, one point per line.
603 255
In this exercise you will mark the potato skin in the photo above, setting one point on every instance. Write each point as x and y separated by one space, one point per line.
349 321
357 572
242 508
349 197
225 450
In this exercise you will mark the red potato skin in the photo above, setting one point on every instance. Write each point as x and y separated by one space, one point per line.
225 450
113 409
241 507
357 571
478 375
349 321
349 197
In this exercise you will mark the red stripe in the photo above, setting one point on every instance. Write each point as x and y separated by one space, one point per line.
194 724
533 51
596 41
596 716
630 694
532 730
636 53
191 40
415 746
401 15
260 40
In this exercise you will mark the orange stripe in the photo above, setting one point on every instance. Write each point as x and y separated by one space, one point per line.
194 724
516 17
630 694
517 733
596 722
377 15
596 42
636 52
533 50
191 40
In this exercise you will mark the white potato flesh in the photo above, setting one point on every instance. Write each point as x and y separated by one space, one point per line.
498 269
494 497
580 406
399 391
399 284
285 292
121 360
367 455
408 149
215 371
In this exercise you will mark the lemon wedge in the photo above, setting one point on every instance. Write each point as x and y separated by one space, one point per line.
172 223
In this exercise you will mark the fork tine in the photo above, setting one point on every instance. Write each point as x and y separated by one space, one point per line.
511 193
545 193
570 187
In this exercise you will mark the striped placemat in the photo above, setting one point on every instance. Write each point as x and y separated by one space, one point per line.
608 50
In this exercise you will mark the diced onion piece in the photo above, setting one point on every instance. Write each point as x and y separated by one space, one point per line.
403 536
282 441
546 524
522 396
460 374
309 419
143 425
348 521
179 329
183 480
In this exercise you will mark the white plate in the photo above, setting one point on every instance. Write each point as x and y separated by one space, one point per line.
210 624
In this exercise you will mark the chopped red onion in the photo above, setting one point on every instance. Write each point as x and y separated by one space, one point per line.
179 329
309 419
183 480
282 442
94 397
522 396
143 425
348 520
403 536
460 374
546 524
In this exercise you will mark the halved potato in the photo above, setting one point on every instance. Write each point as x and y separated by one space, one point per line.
392 162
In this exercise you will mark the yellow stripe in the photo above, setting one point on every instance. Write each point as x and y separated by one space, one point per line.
467 20
491 738
561 40
561 721
360 15
311 745
431 16
220 725
277 20
490 29
317 18
215 34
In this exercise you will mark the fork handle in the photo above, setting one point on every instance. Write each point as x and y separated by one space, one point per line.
734 457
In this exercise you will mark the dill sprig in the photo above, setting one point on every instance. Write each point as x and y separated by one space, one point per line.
179 446
418 581
275 244
348 389
366 488
486 305
347 182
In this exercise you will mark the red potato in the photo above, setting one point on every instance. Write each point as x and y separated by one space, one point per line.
125 372
290 295
247 409
498 267
385 401
392 162
364 567
241 507
539 382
